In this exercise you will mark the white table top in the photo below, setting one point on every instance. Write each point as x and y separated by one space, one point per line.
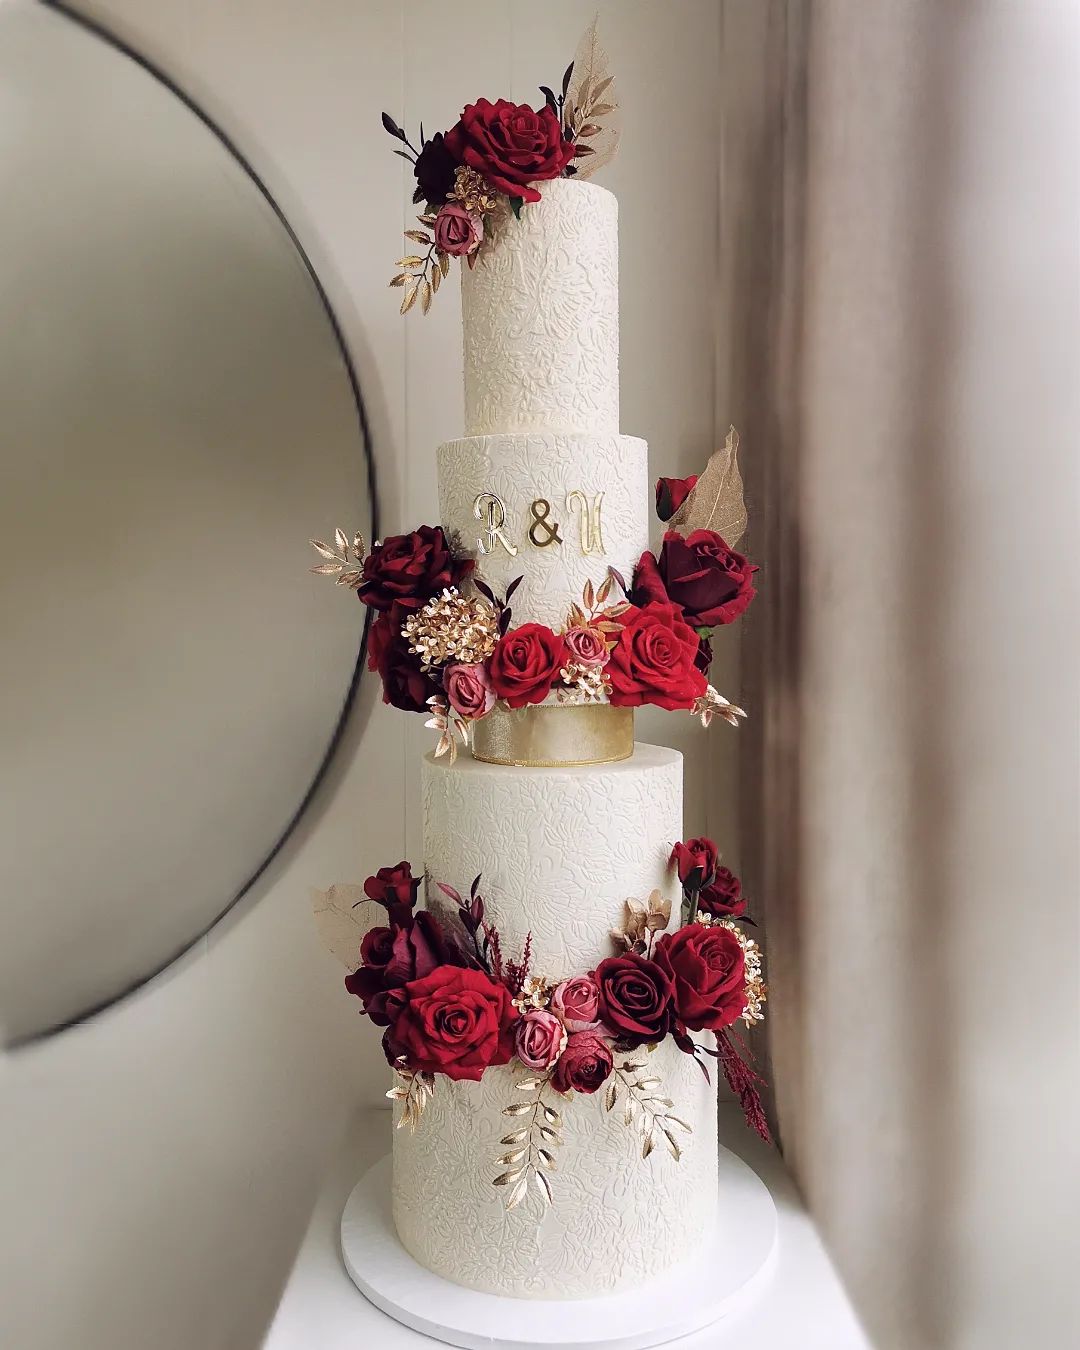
801 1306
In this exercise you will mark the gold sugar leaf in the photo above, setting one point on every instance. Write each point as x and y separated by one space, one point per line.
399 280
515 1156
425 295
444 263
716 500
529 1084
678 1121
508 1178
517 1194
418 236
542 1184
328 569
676 1151
410 297
548 1134
324 549
587 595
410 260
647 1146
514 1138
436 279
550 1114
397 1093
519 1109
610 1097
548 1159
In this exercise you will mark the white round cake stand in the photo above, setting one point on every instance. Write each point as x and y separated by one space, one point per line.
719 1278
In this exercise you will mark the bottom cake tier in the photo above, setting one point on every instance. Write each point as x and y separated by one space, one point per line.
558 851
615 1218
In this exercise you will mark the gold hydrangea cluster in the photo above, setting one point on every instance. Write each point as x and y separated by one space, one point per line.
756 989
585 684
472 192
534 994
452 627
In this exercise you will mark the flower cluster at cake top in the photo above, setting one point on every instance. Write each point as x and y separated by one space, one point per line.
490 161
443 643
452 1002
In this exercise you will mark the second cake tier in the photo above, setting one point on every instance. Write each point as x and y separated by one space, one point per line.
569 505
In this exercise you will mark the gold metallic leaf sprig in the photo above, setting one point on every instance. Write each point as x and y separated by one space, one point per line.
644 918
530 1157
594 611
713 704
344 560
591 107
449 725
423 273
414 1091
644 1107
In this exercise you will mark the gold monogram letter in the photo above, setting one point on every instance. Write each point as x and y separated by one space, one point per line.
490 508
592 538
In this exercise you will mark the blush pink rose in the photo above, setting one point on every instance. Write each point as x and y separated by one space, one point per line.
586 646
469 690
458 231
541 1039
576 1003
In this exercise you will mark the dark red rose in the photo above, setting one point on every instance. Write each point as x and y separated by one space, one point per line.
723 897
510 145
454 1021
704 656
406 684
707 972
695 854
435 168
671 493
395 888
408 569
711 582
584 1065
654 660
635 998
526 663
414 950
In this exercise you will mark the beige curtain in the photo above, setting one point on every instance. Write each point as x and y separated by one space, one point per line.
899 316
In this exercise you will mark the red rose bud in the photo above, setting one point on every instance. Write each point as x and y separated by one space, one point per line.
655 660
408 569
707 971
454 1021
723 897
510 145
635 998
396 888
526 663
696 856
671 493
709 581
584 1065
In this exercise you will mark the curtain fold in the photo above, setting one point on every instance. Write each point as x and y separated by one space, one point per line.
900 211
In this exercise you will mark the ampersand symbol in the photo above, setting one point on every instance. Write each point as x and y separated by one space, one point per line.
540 522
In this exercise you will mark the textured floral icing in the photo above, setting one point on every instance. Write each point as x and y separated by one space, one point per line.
617 1219
559 849
525 467
541 317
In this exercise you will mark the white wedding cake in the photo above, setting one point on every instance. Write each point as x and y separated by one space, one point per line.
559 849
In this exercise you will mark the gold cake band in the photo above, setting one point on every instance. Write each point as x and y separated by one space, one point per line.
553 736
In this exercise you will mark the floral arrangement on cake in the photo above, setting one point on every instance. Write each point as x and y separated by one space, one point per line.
441 649
489 162
452 1002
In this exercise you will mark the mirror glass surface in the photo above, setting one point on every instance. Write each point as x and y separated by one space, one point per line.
176 418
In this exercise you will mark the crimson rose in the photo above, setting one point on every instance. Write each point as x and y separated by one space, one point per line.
693 854
435 169
707 972
584 1065
723 897
526 663
408 569
510 145
671 493
394 887
392 957
635 998
711 582
406 684
654 660
454 1021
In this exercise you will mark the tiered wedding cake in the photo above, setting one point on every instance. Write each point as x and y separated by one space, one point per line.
556 1010
559 849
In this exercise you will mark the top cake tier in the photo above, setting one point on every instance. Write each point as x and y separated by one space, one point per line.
541 317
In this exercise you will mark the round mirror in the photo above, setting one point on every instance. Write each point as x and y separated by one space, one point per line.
178 413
